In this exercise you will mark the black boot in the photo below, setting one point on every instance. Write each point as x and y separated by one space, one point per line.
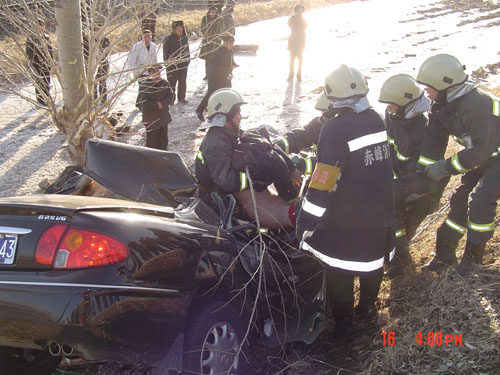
445 256
402 259
473 255
366 310
344 329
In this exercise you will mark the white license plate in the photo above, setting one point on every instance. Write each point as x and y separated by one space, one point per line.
8 244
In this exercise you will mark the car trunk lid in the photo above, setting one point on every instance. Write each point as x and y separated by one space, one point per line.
24 219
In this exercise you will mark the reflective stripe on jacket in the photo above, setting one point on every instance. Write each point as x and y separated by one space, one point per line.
474 121
213 167
350 220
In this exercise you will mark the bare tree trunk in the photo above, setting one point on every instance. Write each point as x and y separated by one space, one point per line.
73 119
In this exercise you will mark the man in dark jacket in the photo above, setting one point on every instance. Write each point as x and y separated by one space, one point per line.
406 121
347 215
210 28
39 52
176 55
157 96
215 169
220 72
471 117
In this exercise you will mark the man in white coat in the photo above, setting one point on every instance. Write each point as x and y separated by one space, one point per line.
143 54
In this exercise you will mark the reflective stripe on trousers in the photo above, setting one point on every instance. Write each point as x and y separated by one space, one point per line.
348 265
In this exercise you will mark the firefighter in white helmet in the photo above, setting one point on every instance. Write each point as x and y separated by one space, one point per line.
214 164
406 120
347 216
472 117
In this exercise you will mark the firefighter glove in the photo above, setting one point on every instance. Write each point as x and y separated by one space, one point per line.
299 163
437 171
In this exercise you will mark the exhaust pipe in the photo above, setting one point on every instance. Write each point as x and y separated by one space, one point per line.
55 348
66 350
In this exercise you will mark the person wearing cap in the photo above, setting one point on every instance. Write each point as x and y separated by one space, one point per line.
296 40
176 56
143 54
472 118
220 72
218 4
347 216
211 26
157 96
215 169
406 120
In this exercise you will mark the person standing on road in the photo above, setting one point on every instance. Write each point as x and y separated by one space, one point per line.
472 118
39 53
157 96
143 54
220 72
296 40
211 26
176 55
347 215
406 121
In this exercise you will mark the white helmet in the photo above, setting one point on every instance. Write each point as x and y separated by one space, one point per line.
345 82
322 103
441 72
400 89
223 101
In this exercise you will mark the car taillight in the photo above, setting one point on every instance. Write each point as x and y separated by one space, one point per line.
47 245
84 249
78 248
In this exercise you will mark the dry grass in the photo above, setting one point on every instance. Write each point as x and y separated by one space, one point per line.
420 301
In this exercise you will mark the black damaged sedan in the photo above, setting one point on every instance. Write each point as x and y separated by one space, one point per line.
131 279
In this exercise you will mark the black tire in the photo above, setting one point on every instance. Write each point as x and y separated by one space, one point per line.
17 361
212 339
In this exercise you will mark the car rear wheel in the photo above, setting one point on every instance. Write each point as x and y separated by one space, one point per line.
16 361
212 341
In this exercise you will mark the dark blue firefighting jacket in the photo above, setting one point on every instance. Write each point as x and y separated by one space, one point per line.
348 211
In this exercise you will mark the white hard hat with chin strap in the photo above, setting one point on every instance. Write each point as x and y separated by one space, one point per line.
221 107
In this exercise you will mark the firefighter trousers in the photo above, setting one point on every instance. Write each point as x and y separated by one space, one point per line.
340 291
477 217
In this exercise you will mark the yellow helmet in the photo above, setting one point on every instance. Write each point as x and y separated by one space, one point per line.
322 103
400 89
441 72
345 82
223 101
